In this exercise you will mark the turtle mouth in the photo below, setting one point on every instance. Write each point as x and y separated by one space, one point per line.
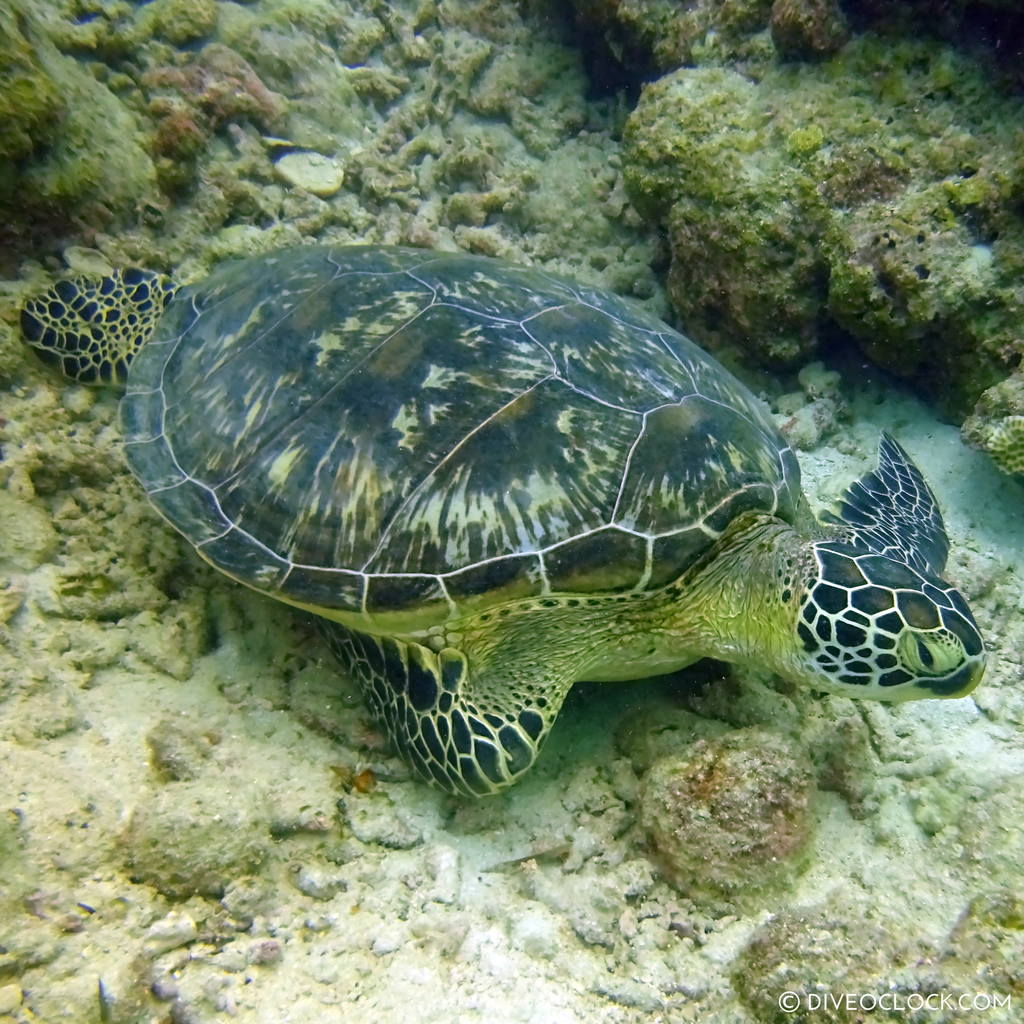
955 684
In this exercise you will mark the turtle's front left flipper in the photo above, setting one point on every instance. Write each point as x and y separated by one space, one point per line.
466 735
892 510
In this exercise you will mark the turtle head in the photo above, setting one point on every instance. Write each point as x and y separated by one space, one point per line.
869 625
91 328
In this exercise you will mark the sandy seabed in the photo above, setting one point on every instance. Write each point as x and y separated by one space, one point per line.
200 822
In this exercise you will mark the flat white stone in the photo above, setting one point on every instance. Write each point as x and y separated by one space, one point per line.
170 932
312 172
82 260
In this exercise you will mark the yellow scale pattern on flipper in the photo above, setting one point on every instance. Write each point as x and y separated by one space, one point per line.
91 328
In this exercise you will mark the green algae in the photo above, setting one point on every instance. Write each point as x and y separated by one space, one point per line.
180 22
746 796
874 191
30 100
66 141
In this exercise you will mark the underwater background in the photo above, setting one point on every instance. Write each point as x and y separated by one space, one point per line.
199 820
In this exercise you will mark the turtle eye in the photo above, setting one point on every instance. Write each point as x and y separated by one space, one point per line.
924 654
931 654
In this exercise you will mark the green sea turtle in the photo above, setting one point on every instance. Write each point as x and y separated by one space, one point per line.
491 481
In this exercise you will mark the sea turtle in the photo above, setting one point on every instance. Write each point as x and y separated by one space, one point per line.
491 481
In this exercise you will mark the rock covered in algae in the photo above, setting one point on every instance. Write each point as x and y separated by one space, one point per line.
189 839
806 954
996 424
67 144
1006 444
743 219
839 965
985 950
30 99
665 33
808 28
729 818
877 191
180 21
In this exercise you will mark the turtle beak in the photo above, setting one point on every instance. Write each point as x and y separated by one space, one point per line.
958 683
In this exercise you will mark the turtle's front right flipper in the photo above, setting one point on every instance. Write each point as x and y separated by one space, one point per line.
458 732
91 328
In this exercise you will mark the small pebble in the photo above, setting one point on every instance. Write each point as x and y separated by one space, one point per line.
318 884
268 951
442 862
536 934
164 989
229 959
176 929
177 751
71 923
388 941
10 999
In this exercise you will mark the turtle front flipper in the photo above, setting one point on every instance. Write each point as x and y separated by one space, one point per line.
91 328
892 511
461 734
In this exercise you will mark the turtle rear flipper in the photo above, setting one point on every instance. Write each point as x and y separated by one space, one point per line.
91 328
892 510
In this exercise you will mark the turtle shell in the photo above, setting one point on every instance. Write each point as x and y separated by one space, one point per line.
391 436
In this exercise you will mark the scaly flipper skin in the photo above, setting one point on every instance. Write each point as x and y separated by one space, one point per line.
91 328
892 510
471 737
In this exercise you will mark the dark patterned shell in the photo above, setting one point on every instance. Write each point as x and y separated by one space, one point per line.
390 435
